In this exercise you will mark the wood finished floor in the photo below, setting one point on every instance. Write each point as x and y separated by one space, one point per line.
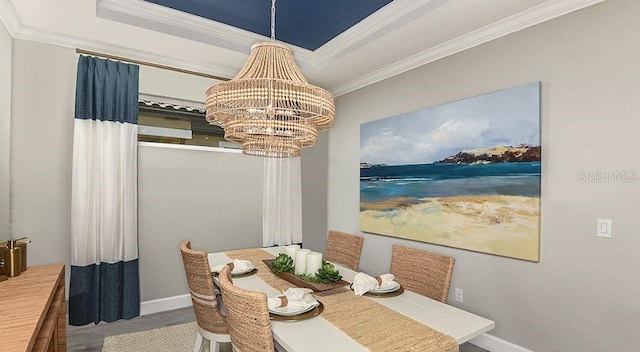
91 337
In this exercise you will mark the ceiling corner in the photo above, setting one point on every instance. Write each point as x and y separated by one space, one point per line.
9 17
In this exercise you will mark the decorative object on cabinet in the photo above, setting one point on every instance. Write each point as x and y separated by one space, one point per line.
13 257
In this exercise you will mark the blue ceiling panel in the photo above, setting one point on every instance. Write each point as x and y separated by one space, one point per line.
304 23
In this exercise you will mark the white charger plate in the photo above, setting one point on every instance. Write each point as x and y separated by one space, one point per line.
390 286
290 311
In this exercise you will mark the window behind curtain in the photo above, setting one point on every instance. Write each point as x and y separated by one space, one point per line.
172 123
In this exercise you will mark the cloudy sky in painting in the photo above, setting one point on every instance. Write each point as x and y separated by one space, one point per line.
506 117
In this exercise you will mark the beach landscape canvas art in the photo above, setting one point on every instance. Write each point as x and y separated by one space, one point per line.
464 174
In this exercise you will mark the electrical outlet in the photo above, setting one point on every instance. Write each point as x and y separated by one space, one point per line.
459 295
604 228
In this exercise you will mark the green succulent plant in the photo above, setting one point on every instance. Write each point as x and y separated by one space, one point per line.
328 273
282 264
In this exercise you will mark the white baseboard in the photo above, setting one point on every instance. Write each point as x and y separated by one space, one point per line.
164 304
495 344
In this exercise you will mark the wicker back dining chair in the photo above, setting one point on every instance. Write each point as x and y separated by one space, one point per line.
422 272
344 249
212 325
247 315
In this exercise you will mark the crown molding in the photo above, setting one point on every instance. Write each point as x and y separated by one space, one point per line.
170 21
531 17
152 16
9 17
382 21
541 13
19 31
147 14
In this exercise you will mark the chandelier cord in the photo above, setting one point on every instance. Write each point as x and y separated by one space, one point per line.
273 19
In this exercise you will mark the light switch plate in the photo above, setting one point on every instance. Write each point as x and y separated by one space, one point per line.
459 295
603 228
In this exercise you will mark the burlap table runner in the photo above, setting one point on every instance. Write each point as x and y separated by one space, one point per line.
371 324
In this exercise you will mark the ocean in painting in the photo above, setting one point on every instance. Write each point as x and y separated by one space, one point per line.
415 182
492 208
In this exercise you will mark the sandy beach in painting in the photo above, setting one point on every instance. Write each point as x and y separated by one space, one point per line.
502 225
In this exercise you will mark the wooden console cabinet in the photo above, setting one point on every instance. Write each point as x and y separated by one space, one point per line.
33 312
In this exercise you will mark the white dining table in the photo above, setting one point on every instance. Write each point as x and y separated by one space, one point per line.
319 335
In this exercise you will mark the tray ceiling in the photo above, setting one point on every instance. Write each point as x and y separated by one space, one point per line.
306 24
381 39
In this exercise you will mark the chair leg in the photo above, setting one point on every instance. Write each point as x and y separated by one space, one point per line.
216 347
198 345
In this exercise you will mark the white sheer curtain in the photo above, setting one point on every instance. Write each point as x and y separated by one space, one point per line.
282 202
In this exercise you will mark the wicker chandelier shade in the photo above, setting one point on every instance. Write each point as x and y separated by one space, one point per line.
269 107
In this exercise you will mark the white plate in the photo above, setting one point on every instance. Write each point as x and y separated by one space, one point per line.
240 272
289 311
390 286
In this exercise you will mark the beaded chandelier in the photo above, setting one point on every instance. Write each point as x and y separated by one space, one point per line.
269 107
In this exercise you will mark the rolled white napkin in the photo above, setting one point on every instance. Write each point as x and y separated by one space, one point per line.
363 283
294 298
239 266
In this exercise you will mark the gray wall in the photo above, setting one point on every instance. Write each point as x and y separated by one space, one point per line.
314 165
583 294
212 198
5 127
43 91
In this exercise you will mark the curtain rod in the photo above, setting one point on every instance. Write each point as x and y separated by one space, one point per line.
151 64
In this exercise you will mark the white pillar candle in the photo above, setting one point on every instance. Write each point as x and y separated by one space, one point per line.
291 251
314 262
301 260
